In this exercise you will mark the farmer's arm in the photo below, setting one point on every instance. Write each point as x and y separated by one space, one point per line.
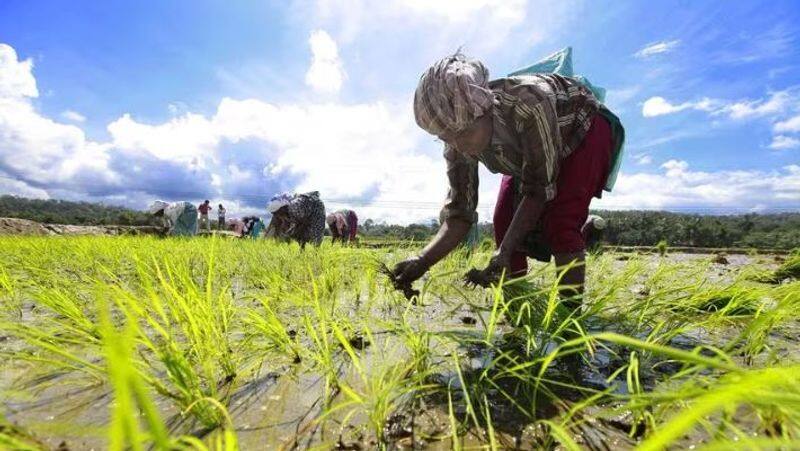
450 234
458 215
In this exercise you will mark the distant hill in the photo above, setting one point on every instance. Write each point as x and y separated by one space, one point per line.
66 212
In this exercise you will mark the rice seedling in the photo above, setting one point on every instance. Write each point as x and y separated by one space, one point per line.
140 342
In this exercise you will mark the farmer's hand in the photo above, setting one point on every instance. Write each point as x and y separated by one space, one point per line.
491 273
407 271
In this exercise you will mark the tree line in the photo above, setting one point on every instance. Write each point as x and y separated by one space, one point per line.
626 228
648 228
53 211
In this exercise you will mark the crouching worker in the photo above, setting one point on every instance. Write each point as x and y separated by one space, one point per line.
253 225
547 133
180 217
297 217
343 225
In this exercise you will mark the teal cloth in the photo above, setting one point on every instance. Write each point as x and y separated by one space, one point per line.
561 63
255 232
186 224
471 240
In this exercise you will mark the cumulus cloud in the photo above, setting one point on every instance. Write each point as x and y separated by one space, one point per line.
326 73
656 48
678 187
781 142
369 155
37 150
16 76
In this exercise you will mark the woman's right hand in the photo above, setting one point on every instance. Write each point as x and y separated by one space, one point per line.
407 271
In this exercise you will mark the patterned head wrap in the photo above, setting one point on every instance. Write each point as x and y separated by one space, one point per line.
451 94
157 206
278 202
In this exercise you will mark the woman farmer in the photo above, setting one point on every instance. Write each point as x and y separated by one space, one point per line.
546 133
180 217
297 217
343 225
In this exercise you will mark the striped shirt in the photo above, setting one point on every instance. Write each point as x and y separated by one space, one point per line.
538 120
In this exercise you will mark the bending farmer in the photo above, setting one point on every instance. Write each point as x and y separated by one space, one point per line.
180 217
297 217
343 225
547 133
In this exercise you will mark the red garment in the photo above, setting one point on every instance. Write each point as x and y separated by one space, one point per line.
352 224
204 208
582 176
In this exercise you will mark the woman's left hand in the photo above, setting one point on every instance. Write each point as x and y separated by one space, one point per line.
491 273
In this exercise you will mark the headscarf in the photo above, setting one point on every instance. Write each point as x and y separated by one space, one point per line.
157 206
278 202
451 94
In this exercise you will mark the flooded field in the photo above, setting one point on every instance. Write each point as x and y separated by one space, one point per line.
146 343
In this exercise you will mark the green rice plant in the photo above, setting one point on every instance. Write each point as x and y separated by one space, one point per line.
131 395
192 326
378 390
735 299
14 437
789 269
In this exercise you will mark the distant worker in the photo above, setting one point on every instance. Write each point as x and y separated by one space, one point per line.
297 217
221 217
204 208
343 225
592 232
252 226
180 217
236 225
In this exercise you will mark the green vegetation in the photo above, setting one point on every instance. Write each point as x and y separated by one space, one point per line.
138 342
52 211
625 228
648 228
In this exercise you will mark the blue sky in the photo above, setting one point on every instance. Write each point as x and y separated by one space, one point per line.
125 102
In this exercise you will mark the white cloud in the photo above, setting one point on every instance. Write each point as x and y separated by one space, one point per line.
781 142
680 188
643 159
777 103
16 76
656 48
73 116
326 73
368 155
184 139
659 106
9 185
791 125
34 147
